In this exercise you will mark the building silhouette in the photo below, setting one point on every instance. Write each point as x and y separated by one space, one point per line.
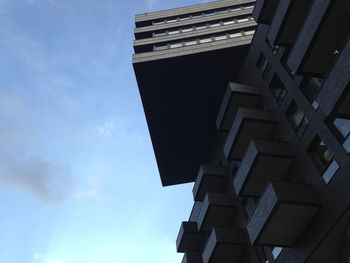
257 114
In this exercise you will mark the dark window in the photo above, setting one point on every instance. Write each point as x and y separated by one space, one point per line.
297 119
323 159
263 65
274 48
249 205
310 87
340 120
278 90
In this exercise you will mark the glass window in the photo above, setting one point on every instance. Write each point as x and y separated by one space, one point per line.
340 120
188 29
221 37
250 32
184 18
173 32
263 65
249 205
278 90
310 87
233 35
158 22
201 27
158 48
276 251
297 119
230 22
190 43
215 24
159 34
172 20
197 16
323 159
242 20
175 45
205 40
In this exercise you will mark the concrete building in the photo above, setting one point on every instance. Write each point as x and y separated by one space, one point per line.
272 180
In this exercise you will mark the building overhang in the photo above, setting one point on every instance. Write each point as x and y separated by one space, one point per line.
181 91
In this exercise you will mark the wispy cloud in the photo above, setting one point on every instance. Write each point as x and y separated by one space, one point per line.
107 128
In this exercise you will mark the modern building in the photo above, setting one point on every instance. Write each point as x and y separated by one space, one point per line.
272 181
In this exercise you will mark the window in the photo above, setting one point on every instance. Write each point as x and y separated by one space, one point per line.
215 24
323 159
190 43
242 20
276 251
250 32
229 22
174 32
340 120
310 87
188 29
297 119
278 90
159 34
201 27
176 45
249 205
220 37
274 48
158 48
263 65
205 40
233 35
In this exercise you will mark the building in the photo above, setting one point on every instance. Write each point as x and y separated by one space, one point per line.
272 182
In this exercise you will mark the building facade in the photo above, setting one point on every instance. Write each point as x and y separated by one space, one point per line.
272 182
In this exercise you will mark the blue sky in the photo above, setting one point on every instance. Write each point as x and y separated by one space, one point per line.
78 178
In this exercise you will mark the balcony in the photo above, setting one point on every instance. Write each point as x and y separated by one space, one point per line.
192 257
248 125
282 214
264 11
236 96
189 239
288 21
264 161
218 210
210 178
225 245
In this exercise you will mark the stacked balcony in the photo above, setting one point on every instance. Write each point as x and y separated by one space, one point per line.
210 179
225 245
236 96
282 214
263 161
248 124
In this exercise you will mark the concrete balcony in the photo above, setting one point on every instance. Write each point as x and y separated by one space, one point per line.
248 125
225 245
264 11
192 257
264 161
236 96
282 214
218 210
211 179
189 239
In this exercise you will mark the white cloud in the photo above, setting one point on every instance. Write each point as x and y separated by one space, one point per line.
107 128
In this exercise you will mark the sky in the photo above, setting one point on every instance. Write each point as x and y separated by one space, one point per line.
78 177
